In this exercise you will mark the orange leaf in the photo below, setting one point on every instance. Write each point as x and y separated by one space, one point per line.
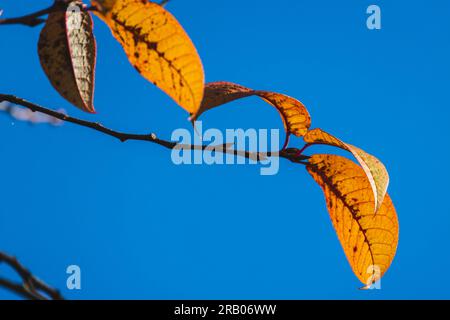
295 116
67 52
158 48
369 240
374 168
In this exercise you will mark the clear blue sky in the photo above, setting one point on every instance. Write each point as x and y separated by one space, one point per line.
141 227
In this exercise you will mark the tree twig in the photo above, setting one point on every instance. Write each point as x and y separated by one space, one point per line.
34 19
291 154
31 287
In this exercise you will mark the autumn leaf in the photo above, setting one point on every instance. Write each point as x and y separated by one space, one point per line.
369 240
295 116
67 51
374 168
157 46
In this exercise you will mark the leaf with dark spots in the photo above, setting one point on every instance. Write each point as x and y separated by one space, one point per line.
67 52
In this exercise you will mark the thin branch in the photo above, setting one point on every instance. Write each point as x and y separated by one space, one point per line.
290 153
17 289
34 19
31 287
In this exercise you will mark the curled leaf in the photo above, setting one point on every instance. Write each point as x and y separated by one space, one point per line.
295 116
374 168
157 46
369 240
67 51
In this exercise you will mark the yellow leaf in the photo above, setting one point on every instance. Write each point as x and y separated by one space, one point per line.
67 52
374 168
295 116
157 46
369 240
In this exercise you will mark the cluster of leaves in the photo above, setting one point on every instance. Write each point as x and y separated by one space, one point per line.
161 51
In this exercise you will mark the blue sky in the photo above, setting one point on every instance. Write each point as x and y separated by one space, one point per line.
141 227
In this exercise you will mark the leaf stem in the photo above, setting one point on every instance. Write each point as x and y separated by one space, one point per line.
303 149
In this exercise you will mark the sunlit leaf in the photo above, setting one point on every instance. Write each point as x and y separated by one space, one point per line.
67 52
295 116
374 168
368 239
158 48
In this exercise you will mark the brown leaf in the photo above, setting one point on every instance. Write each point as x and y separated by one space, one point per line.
67 51
369 240
157 46
295 116
374 168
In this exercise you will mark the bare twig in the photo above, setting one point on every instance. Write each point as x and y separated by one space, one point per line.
31 287
34 19
291 154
